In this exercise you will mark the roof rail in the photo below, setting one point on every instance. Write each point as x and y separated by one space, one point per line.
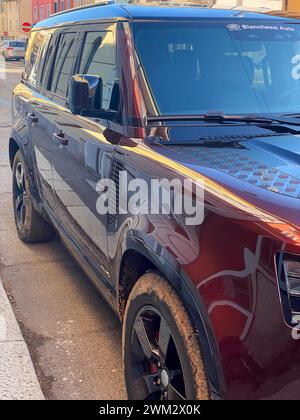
88 6
177 3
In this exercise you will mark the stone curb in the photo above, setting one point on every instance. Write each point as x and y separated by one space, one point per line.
18 380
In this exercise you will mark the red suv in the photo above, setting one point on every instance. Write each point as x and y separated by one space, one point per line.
118 100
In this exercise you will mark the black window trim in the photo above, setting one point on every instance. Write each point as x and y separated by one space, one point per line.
59 36
96 27
81 30
53 38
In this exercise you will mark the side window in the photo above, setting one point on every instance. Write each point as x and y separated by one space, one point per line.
36 71
99 59
64 63
49 63
35 44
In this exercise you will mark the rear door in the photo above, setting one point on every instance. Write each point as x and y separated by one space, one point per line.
36 103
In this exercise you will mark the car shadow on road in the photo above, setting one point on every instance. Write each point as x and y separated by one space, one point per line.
73 335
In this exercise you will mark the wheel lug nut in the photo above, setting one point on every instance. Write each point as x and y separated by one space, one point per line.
158 381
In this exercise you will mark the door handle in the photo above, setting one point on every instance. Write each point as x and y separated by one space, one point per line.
60 137
32 118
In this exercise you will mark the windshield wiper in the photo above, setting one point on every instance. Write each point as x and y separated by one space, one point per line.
254 119
221 117
292 115
211 117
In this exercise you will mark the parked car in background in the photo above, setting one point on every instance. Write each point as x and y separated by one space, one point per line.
13 50
211 310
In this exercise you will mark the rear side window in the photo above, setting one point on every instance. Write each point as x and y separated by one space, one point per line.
33 55
49 63
99 59
64 63
37 67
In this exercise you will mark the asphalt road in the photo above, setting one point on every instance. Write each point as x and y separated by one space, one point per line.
73 336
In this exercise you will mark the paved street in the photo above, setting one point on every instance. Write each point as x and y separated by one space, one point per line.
73 336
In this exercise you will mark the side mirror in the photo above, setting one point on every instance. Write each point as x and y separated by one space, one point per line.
85 94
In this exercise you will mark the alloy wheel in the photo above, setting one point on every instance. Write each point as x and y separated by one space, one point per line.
20 194
156 367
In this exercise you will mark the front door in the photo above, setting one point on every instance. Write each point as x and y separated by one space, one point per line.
82 153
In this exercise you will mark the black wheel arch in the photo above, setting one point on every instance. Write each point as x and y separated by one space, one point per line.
14 146
191 299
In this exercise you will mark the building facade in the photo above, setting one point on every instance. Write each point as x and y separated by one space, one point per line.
13 13
2 19
251 4
41 9
292 5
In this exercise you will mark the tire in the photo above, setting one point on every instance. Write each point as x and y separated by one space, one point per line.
31 227
155 370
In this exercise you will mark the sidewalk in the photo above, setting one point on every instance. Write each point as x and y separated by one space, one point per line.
18 380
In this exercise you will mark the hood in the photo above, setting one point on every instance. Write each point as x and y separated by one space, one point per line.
260 166
271 164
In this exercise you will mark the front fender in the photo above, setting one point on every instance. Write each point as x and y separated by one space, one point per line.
21 142
191 299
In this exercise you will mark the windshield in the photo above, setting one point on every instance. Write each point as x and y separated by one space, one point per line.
193 68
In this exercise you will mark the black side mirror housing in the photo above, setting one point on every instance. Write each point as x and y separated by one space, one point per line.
85 94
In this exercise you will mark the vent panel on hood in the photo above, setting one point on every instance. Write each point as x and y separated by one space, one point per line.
241 165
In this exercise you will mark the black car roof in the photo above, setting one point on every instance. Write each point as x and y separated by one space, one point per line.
111 10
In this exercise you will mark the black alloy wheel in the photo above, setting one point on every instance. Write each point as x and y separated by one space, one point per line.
19 194
157 370
31 225
161 348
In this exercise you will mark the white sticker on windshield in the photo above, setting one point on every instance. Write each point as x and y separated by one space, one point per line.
234 27
237 27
